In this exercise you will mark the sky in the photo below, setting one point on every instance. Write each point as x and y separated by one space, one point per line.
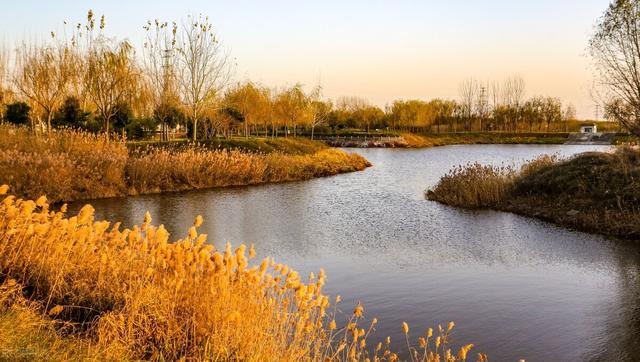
380 50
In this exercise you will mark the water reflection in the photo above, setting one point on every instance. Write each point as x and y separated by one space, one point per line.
516 287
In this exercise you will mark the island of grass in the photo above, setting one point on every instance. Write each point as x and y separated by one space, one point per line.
597 192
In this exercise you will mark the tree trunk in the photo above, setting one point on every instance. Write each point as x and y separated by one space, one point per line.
195 124
49 116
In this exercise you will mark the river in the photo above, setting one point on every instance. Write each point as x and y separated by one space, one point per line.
516 287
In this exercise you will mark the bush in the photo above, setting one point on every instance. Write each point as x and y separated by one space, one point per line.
18 114
71 115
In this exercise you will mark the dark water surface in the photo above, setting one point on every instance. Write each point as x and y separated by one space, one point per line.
516 287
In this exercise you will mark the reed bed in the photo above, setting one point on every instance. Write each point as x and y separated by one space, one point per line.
160 169
473 185
87 289
67 165
64 165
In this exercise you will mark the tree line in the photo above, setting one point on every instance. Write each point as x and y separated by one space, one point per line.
182 75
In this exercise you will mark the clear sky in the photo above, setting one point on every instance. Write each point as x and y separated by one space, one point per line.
381 50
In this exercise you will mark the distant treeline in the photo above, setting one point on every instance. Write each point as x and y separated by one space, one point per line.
180 82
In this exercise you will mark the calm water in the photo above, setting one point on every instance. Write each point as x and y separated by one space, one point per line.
516 287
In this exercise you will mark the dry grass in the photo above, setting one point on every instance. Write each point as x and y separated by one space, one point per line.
68 165
64 165
158 169
27 334
595 191
473 186
484 186
86 288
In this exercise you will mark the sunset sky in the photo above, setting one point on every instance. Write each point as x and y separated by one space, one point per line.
381 50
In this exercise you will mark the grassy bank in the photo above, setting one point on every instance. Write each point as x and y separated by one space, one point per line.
446 139
413 140
67 165
287 145
596 192
626 140
72 288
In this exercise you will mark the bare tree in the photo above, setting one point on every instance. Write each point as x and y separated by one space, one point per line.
5 91
42 76
111 79
468 92
495 95
514 89
615 49
569 113
513 93
203 67
319 109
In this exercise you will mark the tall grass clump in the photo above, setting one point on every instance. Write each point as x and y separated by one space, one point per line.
473 185
477 186
160 169
85 288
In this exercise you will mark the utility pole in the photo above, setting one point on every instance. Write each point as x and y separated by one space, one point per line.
483 105
167 80
597 112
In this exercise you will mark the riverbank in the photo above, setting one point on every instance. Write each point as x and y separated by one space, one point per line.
69 165
596 192
412 140
73 288
447 139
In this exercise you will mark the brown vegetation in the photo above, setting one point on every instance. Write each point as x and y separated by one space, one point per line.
75 288
65 165
69 165
157 170
595 191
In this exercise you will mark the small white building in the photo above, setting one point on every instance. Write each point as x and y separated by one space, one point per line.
589 128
